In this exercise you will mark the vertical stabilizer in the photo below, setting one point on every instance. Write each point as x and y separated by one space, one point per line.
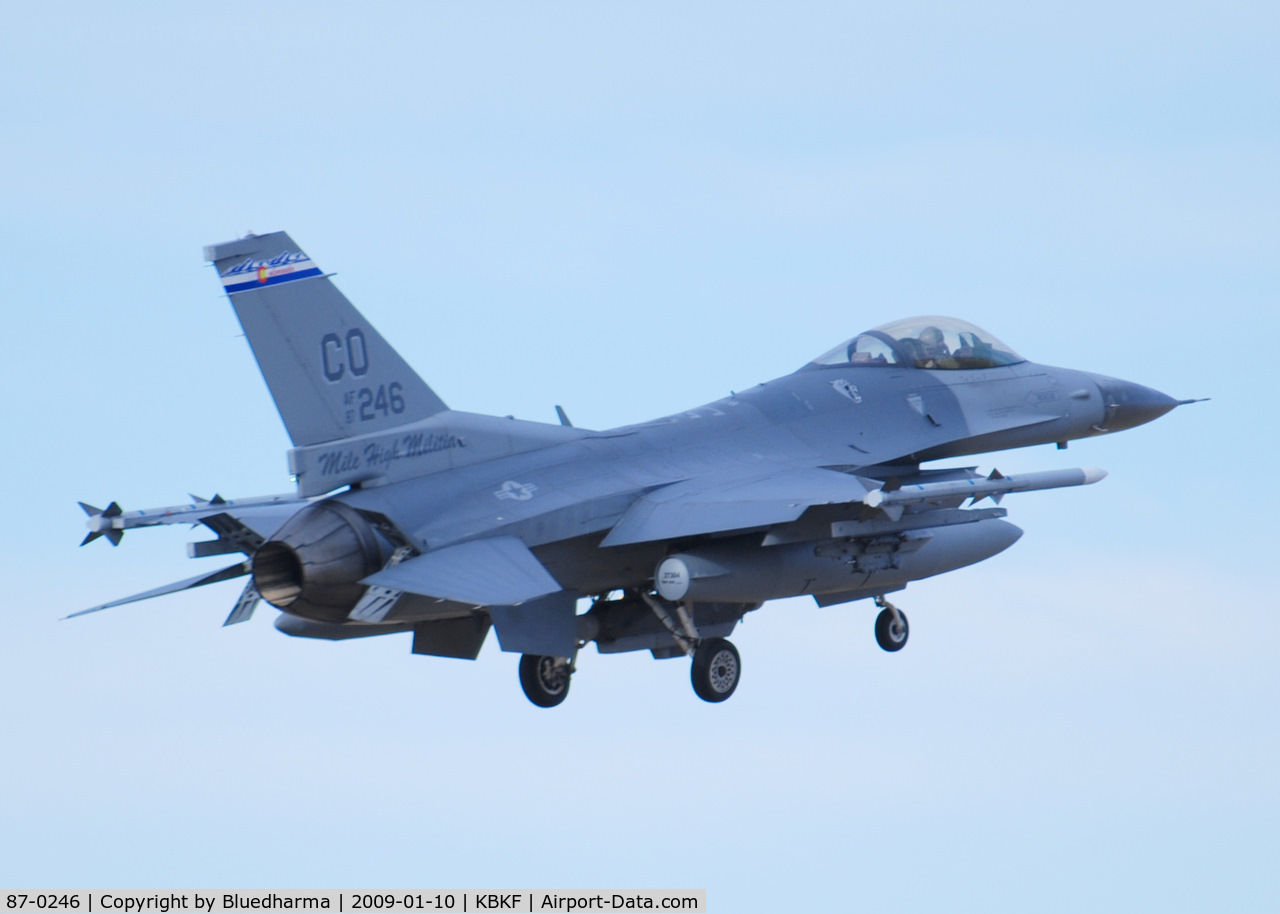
331 374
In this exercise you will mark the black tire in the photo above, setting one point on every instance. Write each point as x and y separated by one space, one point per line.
717 668
545 680
888 635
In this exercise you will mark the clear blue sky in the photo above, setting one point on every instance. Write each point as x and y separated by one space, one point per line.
629 210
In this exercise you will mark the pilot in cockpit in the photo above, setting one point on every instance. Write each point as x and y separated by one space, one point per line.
932 348
922 342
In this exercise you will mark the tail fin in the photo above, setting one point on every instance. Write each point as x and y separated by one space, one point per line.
331 374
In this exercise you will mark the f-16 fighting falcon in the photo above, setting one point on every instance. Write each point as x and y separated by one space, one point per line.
409 516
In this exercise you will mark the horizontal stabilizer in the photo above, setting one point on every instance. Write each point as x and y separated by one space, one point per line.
490 572
698 506
226 574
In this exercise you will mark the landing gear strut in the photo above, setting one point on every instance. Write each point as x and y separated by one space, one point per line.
891 626
716 664
545 680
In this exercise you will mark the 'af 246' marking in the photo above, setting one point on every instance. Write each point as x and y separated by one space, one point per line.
385 400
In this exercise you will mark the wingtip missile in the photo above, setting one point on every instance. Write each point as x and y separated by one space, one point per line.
100 523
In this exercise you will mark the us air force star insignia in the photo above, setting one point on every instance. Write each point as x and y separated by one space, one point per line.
516 491
844 387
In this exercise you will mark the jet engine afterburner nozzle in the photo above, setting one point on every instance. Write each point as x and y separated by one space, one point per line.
313 565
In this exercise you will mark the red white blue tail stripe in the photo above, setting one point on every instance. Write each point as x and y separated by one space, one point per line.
255 274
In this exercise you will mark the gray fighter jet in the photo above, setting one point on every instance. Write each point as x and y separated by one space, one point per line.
409 516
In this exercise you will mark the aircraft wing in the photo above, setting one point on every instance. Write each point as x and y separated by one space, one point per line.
700 506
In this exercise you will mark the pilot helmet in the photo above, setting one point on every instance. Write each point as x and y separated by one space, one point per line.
931 336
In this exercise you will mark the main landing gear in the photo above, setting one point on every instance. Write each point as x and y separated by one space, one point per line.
716 669
545 680
715 672
716 665
891 626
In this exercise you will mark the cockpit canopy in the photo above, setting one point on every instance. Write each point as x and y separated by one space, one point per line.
933 341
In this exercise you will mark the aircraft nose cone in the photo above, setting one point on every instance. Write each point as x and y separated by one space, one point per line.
1129 405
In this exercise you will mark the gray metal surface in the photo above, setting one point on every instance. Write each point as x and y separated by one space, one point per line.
409 516
339 382
500 571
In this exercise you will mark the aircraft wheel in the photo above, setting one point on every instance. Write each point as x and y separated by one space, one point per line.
889 634
545 680
716 669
